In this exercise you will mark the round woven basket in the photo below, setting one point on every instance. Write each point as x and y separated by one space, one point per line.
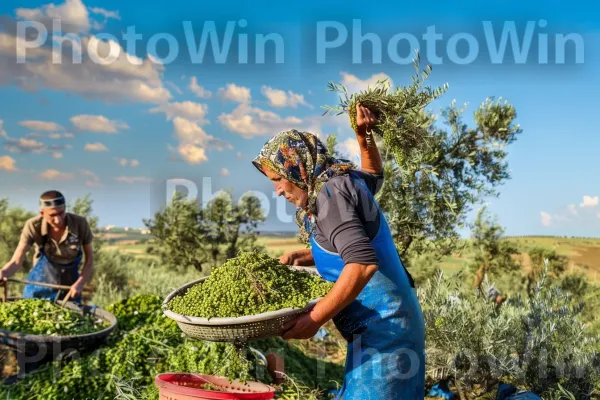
52 345
238 329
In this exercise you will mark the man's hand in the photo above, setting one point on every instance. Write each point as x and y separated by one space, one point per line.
303 327
76 290
365 119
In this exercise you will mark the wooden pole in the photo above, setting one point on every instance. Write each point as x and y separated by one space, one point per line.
50 285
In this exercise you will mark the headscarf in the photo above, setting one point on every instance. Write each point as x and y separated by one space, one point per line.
303 159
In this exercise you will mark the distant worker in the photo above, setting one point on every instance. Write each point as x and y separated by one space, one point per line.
61 239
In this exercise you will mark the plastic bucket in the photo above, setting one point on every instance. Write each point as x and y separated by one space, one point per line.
184 386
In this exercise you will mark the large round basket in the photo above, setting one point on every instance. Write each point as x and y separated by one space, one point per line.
45 345
239 329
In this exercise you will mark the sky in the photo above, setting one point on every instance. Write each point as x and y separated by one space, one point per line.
131 118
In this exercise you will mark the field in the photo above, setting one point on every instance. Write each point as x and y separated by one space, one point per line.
145 275
583 253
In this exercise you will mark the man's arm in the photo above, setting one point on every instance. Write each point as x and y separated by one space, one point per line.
16 261
86 273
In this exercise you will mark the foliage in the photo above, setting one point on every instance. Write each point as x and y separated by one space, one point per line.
12 220
576 284
249 284
331 143
147 344
179 234
557 265
432 175
423 266
491 255
532 342
227 219
185 235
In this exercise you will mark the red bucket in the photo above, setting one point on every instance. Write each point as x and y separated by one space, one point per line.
184 386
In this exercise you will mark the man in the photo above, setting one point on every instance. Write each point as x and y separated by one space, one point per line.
61 239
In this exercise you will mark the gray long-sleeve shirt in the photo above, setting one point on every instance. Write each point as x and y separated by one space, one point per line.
348 218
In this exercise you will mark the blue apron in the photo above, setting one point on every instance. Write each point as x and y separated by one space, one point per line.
384 326
45 271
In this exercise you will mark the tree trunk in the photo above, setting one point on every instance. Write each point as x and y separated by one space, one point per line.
479 275
232 249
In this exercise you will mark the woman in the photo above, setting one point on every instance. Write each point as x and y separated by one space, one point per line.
372 302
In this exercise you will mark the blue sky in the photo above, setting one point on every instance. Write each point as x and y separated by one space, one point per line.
119 131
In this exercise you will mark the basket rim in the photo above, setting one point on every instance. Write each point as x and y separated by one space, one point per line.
269 315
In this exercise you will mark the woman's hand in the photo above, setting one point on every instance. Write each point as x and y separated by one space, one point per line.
365 119
303 327
297 258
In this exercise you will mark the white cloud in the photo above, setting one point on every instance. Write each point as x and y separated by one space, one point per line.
68 135
2 131
41 125
93 180
354 84
124 162
279 98
125 78
11 45
97 123
198 90
239 155
26 145
574 216
186 109
57 155
598 214
105 13
252 121
194 141
95 147
589 201
233 92
52 174
192 154
72 14
546 218
174 87
133 179
224 171
7 163
350 148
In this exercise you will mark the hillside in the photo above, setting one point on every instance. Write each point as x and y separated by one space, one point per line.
583 253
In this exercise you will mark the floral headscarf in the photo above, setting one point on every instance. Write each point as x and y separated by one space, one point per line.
303 159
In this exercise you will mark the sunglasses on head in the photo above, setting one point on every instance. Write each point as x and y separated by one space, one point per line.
56 202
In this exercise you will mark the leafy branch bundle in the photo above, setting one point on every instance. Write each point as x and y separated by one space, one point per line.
401 121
